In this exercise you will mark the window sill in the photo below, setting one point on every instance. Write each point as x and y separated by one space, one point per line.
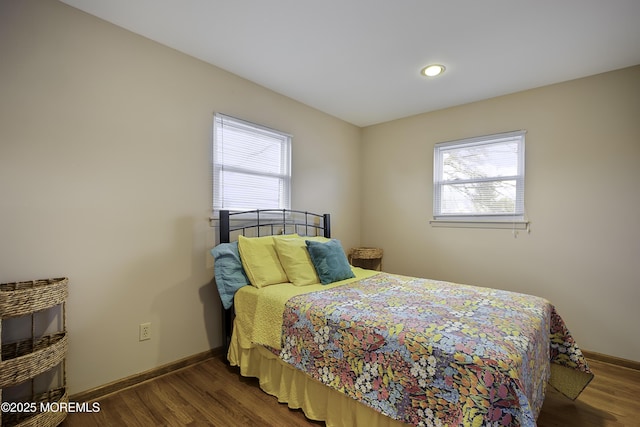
504 225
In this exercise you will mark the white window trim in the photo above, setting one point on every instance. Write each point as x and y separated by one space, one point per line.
503 225
286 163
507 221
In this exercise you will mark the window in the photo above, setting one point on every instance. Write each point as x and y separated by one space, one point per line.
480 179
251 166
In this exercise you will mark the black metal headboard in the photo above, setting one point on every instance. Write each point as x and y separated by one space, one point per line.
267 222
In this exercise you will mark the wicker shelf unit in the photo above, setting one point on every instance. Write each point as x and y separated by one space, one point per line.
23 360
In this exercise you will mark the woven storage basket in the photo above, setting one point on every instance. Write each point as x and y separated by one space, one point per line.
21 298
366 253
41 419
24 360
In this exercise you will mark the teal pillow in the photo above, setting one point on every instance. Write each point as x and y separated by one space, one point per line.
228 271
329 260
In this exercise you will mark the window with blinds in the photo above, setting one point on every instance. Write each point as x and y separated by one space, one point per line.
480 179
251 166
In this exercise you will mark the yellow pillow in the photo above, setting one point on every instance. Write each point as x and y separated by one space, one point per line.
260 260
296 262
320 239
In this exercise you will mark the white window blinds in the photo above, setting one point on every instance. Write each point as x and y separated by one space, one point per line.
480 178
251 166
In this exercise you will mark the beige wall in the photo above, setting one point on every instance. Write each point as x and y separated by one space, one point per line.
105 178
582 197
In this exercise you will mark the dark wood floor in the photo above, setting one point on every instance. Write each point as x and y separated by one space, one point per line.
211 393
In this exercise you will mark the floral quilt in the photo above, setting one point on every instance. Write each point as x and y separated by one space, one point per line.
430 353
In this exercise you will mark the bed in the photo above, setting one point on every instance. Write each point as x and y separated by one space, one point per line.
353 347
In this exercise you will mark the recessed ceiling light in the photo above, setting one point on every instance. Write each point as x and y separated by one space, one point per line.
432 70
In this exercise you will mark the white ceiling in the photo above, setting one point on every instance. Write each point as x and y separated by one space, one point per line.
359 60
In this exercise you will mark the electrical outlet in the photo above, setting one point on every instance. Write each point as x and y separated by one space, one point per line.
145 331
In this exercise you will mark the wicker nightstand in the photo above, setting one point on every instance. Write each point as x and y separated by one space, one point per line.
369 258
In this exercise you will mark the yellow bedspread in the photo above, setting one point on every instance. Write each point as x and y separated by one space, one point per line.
268 304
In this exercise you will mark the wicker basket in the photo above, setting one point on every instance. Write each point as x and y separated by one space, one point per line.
40 419
366 253
369 258
24 360
21 298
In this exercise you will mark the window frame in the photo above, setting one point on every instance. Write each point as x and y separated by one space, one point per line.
218 167
515 219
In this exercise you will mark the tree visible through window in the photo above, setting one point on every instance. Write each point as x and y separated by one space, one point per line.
480 178
251 166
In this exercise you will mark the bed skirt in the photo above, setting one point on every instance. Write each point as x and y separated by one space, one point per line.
299 391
